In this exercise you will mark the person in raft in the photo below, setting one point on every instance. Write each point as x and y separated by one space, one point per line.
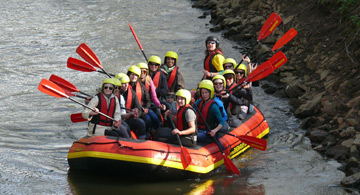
185 120
241 72
155 105
210 110
132 103
213 62
175 80
107 103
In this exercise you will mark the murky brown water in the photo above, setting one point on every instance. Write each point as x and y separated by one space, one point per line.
36 39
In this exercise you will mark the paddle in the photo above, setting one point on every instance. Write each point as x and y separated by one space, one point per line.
290 34
80 65
77 117
185 155
264 69
250 140
66 85
52 89
138 42
268 27
88 55
230 166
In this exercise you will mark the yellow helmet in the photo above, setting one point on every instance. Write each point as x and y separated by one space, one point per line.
219 77
125 79
134 69
155 59
230 61
120 75
207 84
142 65
117 82
107 81
228 71
242 67
172 54
185 94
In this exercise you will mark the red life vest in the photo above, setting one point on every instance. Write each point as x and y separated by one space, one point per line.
208 61
172 78
231 92
129 99
147 86
182 124
156 79
204 109
103 107
138 91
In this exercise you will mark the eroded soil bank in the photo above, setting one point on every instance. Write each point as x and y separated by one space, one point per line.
322 73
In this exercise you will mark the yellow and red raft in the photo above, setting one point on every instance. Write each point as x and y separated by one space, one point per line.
147 157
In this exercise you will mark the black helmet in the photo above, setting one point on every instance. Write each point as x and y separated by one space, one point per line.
212 38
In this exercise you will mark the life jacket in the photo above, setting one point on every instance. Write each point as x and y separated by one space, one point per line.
138 91
221 106
182 124
103 107
234 109
204 109
156 78
147 86
130 99
171 80
208 61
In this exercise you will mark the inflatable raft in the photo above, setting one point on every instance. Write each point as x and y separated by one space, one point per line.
147 157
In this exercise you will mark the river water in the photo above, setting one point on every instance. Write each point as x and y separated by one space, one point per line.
36 39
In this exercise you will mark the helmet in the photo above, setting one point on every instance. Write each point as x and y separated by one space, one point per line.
134 69
142 65
125 79
116 82
155 59
230 61
120 75
107 81
172 54
228 71
207 84
242 67
185 94
212 38
219 77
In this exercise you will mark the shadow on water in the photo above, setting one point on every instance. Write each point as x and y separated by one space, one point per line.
219 182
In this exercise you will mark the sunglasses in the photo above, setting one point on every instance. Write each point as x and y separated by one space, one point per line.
218 83
118 87
106 87
211 42
153 64
240 72
229 77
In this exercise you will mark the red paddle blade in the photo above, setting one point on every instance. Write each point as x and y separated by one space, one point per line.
88 55
230 166
51 88
185 157
269 26
253 142
278 59
290 34
136 38
79 65
77 117
260 72
66 85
